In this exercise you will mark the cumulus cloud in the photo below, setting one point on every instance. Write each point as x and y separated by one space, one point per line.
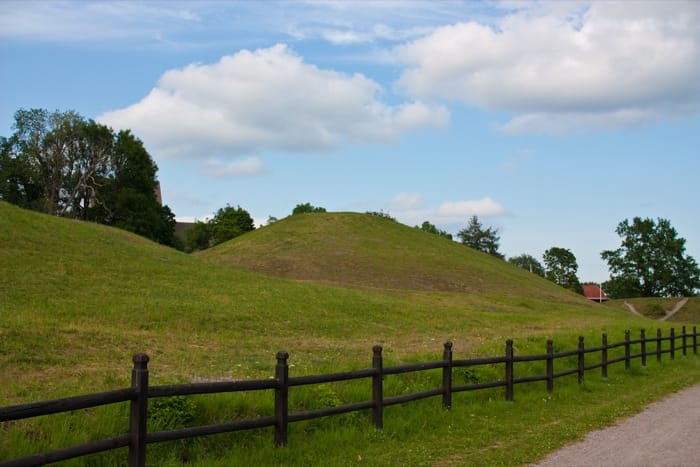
267 99
411 209
575 65
459 210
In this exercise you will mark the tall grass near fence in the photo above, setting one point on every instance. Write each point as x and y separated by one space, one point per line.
169 406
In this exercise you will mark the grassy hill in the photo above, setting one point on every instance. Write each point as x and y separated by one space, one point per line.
375 252
84 297
78 299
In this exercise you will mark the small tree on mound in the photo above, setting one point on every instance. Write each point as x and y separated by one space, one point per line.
480 238
306 208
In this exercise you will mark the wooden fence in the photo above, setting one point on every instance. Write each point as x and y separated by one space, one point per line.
140 392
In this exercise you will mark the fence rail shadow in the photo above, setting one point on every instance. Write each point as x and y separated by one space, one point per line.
140 392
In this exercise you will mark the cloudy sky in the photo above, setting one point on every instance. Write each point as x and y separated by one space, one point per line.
551 121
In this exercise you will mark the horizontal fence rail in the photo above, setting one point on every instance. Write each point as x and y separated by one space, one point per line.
140 392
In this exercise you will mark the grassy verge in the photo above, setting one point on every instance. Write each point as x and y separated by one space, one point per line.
480 429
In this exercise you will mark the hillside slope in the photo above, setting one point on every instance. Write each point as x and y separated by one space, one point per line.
370 251
77 300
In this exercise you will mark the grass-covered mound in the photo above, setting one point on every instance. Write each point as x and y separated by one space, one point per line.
376 252
77 299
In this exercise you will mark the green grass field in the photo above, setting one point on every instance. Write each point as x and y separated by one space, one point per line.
78 300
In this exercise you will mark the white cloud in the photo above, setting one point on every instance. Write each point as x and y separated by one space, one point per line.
265 99
238 168
410 209
459 210
561 66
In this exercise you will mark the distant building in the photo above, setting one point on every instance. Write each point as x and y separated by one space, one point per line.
595 293
159 197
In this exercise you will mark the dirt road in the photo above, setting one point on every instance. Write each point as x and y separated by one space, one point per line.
667 434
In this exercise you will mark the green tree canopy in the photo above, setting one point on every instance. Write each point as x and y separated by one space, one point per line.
306 208
528 262
227 223
650 262
477 237
561 268
62 164
426 226
230 222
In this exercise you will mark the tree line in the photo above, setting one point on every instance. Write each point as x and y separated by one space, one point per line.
651 261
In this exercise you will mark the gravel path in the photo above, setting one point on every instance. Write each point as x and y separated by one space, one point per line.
665 434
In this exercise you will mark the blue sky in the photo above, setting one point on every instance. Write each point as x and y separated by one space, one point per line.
551 121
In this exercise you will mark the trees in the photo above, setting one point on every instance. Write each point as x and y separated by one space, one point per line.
306 208
62 164
650 262
230 222
528 262
485 240
128 195
227 223
382 214
561 268
431 228
19 179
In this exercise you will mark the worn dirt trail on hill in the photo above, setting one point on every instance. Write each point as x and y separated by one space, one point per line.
665 434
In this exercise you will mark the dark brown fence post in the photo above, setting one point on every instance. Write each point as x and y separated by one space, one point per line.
627 349
550 365
673 343
643 339
378 387
509 370
138 411
581 361
684 342
604 357
695 340
281 399
447 376
658 345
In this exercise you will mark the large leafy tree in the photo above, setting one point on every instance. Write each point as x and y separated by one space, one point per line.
480 238
528 262
129 193
230 222
561 268
20 182
62 164
651 261
227 223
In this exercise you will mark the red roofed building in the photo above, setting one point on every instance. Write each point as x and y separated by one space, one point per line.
595 293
